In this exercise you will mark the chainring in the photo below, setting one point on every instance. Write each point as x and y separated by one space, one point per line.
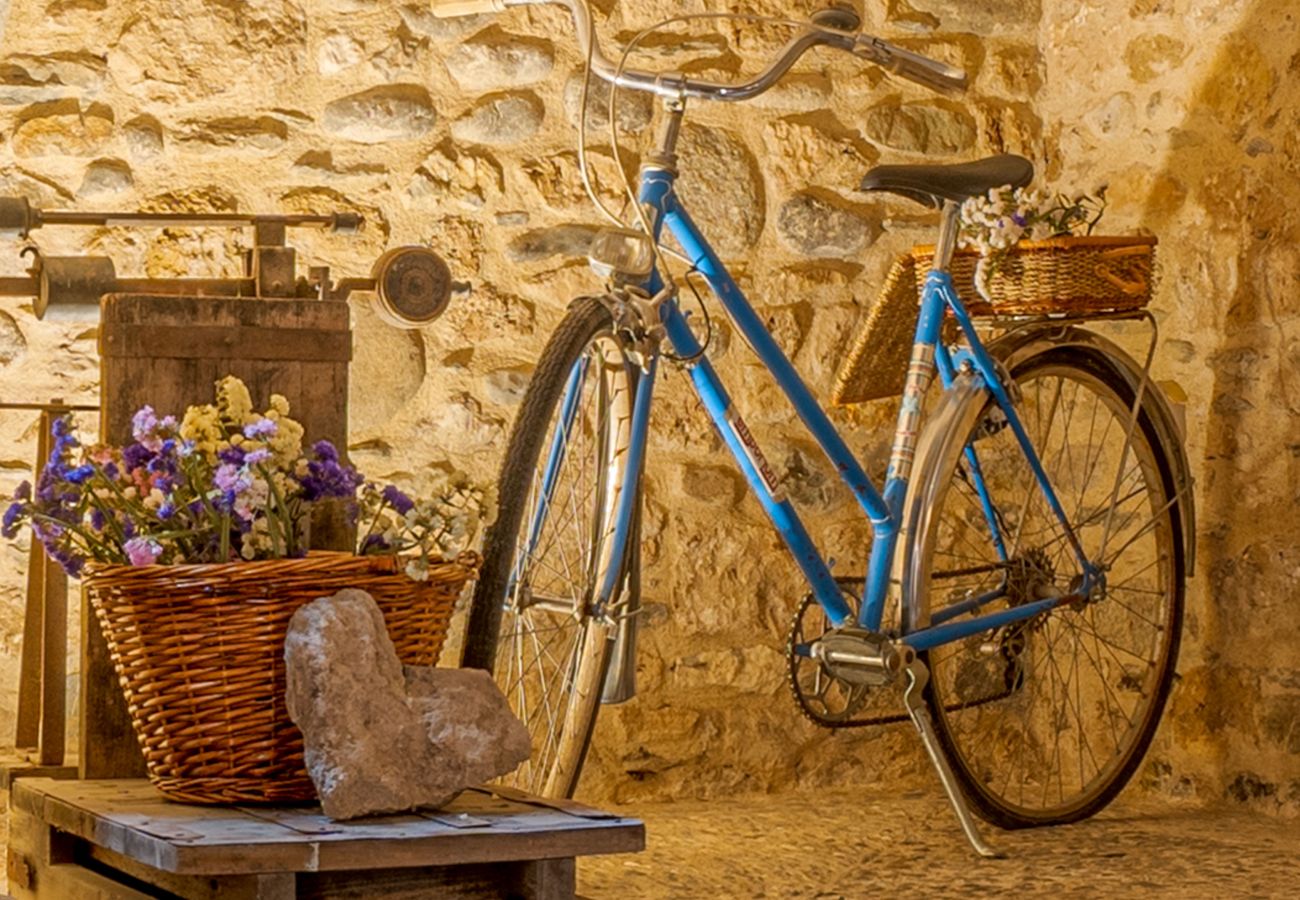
824 698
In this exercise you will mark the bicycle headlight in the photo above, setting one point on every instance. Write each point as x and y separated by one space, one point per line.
621 254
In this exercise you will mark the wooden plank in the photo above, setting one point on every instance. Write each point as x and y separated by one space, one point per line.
54 662
107 745
125 817
16 764
28 724
274 886
550 879
36 871
224 341
261 312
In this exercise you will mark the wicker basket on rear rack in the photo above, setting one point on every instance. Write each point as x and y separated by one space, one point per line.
1073 277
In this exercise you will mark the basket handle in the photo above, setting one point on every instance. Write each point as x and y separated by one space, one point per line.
1133 285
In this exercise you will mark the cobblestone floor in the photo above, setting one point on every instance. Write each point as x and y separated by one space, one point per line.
840 845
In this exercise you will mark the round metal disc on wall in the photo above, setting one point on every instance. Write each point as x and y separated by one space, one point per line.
412 286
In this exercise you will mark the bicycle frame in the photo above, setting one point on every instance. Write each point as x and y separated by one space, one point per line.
882 507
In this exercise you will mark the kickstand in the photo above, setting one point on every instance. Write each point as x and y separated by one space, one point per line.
917 676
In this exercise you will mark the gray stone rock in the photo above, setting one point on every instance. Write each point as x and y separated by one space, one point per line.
496 60
25 78
264 133
633 109
62 128
500 119
384 113
815 227
380 738
337 52
721 185
983 17
144 137
920 127
12 342
106 176
507 386
421 21
715 485
570 241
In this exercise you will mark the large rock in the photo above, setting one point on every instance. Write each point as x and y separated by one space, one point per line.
380 738
721 185
385 113
499 60
500 119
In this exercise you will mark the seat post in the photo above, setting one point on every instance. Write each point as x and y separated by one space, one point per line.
947 244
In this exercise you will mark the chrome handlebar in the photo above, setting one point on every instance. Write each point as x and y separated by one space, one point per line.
920 69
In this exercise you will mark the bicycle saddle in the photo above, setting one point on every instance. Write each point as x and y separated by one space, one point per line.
931 185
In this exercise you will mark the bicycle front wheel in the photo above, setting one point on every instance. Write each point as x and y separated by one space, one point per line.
1045 720
532 621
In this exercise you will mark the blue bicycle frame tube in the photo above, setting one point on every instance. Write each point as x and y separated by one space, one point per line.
883 509
984 366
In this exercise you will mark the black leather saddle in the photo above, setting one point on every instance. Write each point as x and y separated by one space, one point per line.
931 185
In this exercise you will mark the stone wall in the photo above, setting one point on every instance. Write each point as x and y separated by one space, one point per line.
460 135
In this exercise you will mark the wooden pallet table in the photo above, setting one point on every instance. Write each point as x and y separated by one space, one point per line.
121 840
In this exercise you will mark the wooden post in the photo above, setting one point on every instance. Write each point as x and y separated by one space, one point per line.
41 721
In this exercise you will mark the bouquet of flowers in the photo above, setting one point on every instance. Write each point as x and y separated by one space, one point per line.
995 223
224 483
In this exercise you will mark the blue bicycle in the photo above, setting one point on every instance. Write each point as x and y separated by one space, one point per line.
1025 581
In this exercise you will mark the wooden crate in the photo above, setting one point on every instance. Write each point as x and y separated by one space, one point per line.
120 840
167 352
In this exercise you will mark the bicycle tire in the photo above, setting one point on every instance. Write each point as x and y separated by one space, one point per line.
1005 746
520 595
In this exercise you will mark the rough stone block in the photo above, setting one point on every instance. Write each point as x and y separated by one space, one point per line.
381 739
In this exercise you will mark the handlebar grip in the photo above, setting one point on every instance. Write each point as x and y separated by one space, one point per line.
913 66
451 9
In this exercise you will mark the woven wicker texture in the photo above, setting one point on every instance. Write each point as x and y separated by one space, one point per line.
199 651
1065 276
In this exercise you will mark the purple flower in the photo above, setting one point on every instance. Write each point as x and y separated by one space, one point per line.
259 455
398 501
167 510
80 474
23 491
326 477
97 520
136 455
261 428
144 423
232 456
231 479
9 528
142 551
374 542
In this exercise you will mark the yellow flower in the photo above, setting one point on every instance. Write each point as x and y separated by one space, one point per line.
279 405
233 400
286 443
202 425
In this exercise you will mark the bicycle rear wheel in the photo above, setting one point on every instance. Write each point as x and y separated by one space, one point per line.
1045 720
532 622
